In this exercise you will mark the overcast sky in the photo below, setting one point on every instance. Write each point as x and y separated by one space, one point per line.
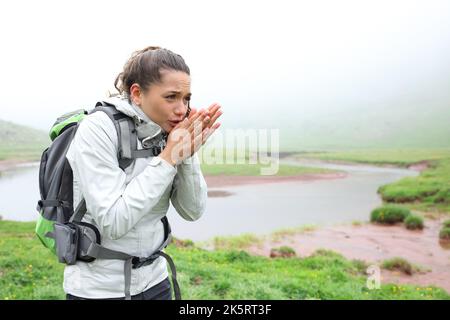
268 60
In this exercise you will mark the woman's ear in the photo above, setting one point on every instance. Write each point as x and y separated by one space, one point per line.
135 94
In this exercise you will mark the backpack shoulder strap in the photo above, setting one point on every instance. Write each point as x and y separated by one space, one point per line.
126 135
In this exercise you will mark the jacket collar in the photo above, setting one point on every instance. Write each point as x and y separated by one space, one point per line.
146 128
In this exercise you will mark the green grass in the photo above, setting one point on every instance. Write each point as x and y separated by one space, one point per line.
29 271
398 157
287 232
235 242
414 222
283 251
389 214
446 223
402 265
255 170
28 153
444 234
251 166
430 190
246 240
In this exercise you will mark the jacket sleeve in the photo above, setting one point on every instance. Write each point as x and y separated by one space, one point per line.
190 192
114 205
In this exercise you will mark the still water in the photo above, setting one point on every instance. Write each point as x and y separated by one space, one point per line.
258 209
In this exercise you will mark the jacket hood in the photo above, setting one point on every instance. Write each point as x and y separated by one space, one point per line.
145 126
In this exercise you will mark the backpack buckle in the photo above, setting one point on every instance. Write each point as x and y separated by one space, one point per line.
140 262
156 150
148 142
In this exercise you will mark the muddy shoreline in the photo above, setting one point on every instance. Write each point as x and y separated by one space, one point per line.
10 164
225 181
375 243
417 166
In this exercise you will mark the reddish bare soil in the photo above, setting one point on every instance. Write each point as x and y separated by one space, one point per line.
224 180
375 243
10 164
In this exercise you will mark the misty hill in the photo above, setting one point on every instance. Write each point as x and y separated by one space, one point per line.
402 125
21 142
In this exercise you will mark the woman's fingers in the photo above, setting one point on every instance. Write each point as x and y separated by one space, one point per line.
186 122
214 118
213 110
180 125
197 120
197 127
204 132
213 106
192 112
208 116
208 132
197 141
200 125
196 115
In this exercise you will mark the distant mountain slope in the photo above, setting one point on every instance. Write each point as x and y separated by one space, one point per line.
21 142
400 127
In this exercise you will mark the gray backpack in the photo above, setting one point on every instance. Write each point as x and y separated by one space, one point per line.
59 226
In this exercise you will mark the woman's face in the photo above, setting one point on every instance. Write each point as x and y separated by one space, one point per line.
165 103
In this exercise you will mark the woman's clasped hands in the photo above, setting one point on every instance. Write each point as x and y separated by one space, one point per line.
189 135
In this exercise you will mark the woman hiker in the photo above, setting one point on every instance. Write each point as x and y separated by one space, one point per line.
127 206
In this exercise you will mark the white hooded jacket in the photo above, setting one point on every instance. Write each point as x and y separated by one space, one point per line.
126 206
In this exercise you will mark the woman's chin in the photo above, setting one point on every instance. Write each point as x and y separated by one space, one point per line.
167 128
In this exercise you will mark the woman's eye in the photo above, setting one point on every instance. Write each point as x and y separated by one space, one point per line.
171 97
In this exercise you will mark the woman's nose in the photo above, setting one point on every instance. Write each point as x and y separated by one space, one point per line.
180 110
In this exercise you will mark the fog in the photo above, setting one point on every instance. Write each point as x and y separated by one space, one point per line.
269 63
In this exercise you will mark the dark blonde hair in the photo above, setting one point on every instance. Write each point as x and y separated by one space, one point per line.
144 67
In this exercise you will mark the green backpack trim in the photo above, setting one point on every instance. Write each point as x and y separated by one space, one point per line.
42 227
66 119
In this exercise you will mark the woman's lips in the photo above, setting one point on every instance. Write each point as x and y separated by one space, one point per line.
173 123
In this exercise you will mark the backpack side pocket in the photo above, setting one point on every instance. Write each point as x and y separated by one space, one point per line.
66 238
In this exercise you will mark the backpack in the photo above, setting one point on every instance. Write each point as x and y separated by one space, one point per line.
59 225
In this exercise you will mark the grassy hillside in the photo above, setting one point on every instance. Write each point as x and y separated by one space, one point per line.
398 157
29 271
403 126
21 142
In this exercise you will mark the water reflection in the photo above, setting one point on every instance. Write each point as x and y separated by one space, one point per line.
19 192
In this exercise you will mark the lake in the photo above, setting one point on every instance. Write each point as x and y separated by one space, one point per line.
258 209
